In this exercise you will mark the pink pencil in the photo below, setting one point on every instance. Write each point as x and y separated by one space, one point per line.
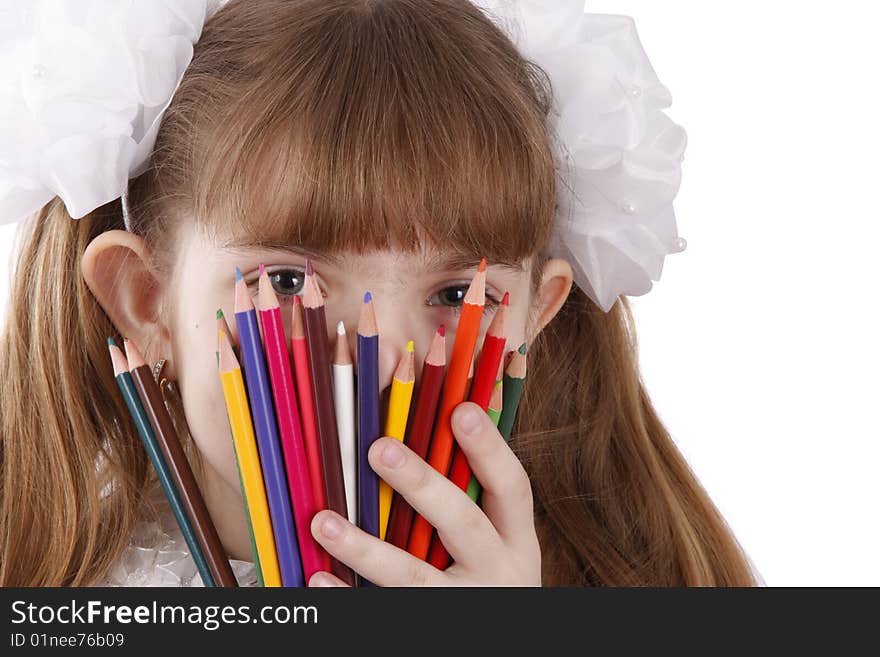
289 427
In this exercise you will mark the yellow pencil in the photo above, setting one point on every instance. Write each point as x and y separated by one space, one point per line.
248 461
395 425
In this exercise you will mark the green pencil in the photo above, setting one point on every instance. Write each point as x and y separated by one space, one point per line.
512 387
494 413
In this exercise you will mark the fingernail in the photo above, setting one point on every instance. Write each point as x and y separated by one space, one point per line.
468 419
331 528
320 579
392 454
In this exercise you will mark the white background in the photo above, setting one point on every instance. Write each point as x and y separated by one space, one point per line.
759 344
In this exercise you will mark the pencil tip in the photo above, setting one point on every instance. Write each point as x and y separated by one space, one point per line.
262 269
297 299
411 346
340 328
442 330
111 342
482 266
506 300
368 297
219 313
238 275
309 269
522 349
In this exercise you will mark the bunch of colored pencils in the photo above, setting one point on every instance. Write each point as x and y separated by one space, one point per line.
302 424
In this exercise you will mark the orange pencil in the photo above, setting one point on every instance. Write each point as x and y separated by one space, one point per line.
454 391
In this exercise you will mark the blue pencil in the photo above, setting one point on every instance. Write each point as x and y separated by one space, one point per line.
368 417
266 429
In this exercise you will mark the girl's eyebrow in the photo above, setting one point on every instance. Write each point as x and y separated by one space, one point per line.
245 245
439 262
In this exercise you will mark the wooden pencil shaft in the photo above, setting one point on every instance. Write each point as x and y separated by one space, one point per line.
325 415
183 477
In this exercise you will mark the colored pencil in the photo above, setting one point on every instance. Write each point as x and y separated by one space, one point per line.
289 427
368 415
302 371
315 322
491 355
504 402
248 461
223 328
266 428
454 388
419 435
343 401
494 413
179 467
514 378
399 401
145 431
437 555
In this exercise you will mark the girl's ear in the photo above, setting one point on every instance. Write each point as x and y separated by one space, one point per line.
556 282
116 267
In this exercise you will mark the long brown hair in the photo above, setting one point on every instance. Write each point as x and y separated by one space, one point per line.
346 124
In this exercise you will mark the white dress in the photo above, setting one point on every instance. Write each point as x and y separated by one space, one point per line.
158 555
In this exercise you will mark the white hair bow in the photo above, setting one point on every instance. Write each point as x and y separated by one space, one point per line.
84 85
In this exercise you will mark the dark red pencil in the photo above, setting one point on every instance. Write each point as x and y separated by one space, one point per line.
419 436
325 412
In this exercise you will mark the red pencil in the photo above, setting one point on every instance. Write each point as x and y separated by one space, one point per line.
419 436
307 404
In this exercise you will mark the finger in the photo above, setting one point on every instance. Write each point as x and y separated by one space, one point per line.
466 532
378 561
507 492
323 578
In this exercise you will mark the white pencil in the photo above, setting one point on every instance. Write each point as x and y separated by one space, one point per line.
343 399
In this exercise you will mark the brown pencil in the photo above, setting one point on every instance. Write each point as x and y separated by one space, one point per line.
325 411
178 465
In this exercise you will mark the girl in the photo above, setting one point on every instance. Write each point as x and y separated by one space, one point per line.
395 143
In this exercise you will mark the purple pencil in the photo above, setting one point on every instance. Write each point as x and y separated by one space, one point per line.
266 428
368 416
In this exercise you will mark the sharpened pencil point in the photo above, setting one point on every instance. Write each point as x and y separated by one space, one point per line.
340 328
522 349
442 330
262 269
238 275
219 313
111 342
368 297
506 300
411 346
482 266
310 270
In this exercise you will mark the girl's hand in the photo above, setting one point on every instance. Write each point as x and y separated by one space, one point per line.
493 546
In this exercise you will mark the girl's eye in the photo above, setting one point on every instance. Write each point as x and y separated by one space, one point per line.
453 297
287 282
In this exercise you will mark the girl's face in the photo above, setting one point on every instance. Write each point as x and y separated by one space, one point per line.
412 295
